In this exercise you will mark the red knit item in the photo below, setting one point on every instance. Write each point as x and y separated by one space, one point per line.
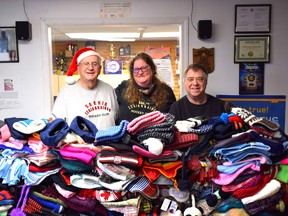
35 168
32 207
168 169
234 118
182 140
246 192
233 187
5 195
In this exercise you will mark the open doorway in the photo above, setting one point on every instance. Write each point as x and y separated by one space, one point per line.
57 41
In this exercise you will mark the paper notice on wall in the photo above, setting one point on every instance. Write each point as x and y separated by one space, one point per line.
115 9
161 57
164 71
9 92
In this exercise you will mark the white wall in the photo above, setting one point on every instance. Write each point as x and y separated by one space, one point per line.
34 55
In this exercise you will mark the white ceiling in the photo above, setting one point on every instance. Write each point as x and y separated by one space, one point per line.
58 34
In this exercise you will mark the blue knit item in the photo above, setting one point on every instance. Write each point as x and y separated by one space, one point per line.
54 132
203 129
237 153
84 128
113 133
231 169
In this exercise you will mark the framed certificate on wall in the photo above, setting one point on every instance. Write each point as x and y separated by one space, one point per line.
253 18
254 48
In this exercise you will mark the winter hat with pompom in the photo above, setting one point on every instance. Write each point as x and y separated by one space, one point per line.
78 56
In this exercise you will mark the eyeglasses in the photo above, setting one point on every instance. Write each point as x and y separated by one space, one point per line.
198 79
143 69
87 64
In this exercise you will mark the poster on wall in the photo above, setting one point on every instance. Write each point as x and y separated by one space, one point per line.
113 66
161 57
251 78
10 92
270 107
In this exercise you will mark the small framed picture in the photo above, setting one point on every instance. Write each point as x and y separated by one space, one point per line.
8 45
253 18
251 78
254 48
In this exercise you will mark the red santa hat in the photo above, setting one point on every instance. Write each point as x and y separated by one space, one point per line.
78 56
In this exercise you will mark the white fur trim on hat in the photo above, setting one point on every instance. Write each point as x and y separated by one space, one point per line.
70 80
86 54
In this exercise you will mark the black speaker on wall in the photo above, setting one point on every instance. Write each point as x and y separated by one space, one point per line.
23 30
204 29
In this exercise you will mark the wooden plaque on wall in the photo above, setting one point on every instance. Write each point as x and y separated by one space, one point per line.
205 57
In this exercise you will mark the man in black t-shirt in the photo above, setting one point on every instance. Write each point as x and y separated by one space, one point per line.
197 102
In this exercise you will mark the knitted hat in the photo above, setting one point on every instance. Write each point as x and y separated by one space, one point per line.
113 133
182 140
15 133
225 179
165 158
74 153
85 181
143 186
276 148
124 158
184 125
4 133
129 206
116 146
179 195
30 126
84 128
226 130
232 141
78 56
71 165
262 205
144 152
282 175
54 132
163 130
117 172
143 121
270 189
82 204
109 195
253 120
114 184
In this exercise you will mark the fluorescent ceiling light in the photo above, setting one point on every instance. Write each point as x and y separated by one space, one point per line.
105 36
118 39
160 34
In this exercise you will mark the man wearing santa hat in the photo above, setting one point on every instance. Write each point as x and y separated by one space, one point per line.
88 97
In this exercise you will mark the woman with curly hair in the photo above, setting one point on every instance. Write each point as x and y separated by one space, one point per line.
144 92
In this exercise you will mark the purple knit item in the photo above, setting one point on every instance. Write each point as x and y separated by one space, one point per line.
19 211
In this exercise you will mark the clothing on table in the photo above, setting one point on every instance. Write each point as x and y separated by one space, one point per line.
184 109
99 105
129 111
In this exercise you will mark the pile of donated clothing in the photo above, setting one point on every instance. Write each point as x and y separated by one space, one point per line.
232 164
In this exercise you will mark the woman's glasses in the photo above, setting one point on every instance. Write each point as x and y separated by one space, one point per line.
143 69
